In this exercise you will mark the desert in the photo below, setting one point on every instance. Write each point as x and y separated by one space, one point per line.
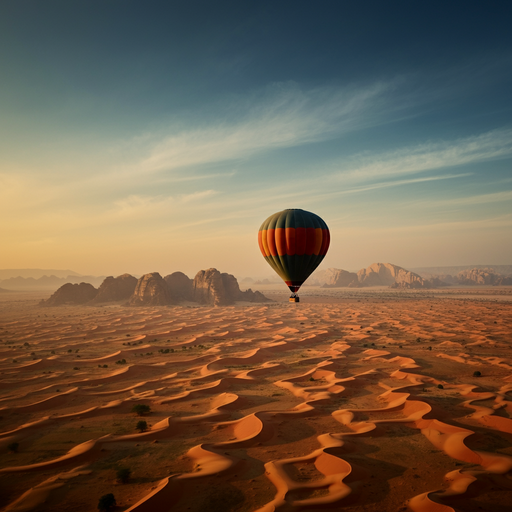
372 399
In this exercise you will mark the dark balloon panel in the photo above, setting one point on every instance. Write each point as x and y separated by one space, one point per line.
294 242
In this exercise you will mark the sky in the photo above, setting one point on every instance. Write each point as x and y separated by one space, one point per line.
159 135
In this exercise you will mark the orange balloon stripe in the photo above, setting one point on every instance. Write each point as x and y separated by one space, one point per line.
291 241
271 242
280 239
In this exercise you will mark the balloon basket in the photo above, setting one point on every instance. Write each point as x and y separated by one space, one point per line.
294 299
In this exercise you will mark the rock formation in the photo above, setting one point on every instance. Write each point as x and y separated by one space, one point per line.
378 274
71 294
151 290
387 274
115 289
209 287
336 277
212 287
181 287
485 276
503 281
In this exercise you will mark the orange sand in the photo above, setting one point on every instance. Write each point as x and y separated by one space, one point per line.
357 401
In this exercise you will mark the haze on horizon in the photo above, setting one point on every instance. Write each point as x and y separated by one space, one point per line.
158 137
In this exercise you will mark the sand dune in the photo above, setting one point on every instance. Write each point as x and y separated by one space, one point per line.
357 401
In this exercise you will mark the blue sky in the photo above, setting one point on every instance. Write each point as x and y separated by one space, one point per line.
157 136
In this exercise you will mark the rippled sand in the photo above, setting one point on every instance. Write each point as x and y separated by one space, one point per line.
349 401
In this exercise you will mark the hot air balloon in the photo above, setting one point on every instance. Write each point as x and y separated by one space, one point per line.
294 242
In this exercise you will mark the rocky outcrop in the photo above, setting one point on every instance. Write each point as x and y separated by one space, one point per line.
378 274
151 290
503 281
181 287
115 289
483 276
336 278
71 294
216 289
209 287
387 274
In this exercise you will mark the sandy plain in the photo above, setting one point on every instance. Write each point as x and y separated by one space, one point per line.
350 400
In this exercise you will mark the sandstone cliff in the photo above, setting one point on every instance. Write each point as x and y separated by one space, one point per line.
209 287
71 294
387 274
378 274
181 287
151 290
335 278
212 287
115 289
482 276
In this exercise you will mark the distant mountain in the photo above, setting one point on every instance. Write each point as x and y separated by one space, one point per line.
47 283
505 270
35 273
387 274
377 274
3 290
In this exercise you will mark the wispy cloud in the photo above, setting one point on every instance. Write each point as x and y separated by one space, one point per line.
138 205
492 145
287 117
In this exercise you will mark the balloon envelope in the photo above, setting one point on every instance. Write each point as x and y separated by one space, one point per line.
294 242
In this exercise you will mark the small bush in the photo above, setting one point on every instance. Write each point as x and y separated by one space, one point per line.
141 409
440 386
13 447
142 426
107 502
76 368
477 374
123 474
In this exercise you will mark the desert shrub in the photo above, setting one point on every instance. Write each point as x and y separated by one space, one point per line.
107 502
76 368
141 409
477 374
13 447
121 361
142 426
123 474
440 386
